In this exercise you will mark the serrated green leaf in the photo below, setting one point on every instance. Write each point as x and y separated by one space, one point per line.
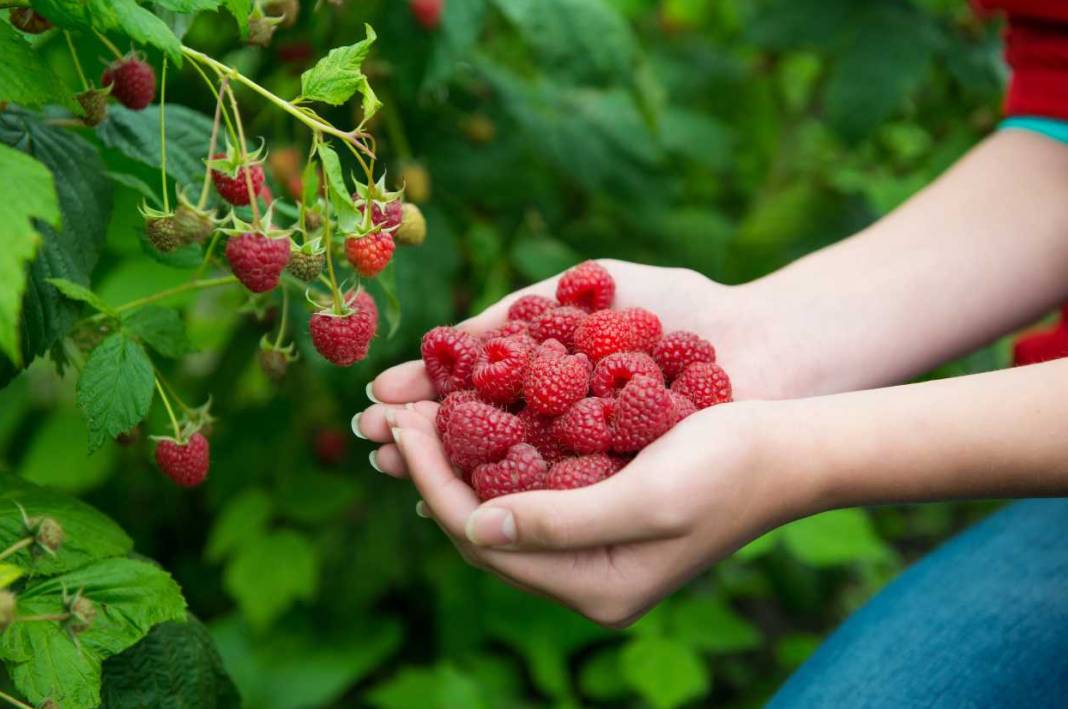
176 666
708 623
665 672
136 135
309 185
161 329
130 597
115 388
340 198
835 537
337 77
88 535
137 23
270 573
25 78
240 9
34 198
188 5
9 574
78 292
439 687
243 519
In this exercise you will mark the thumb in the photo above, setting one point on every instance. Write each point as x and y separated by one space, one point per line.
625 508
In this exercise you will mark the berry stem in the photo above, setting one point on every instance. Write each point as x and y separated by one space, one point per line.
285 317
170 411
186 409
253 199
163 136
42 618
16 547
14 702
328 233
107 43
77 63
204 191
177 290
206 261
218 94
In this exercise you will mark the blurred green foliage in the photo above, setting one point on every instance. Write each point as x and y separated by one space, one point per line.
727 136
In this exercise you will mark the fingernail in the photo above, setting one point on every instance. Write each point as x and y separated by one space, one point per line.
396 435
373 457
356 427
371 392
491 527
421 510
391 417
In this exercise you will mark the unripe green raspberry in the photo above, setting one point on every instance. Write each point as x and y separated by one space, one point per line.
82 615
95 104
306 266
191 225
48 533
412 230
163 233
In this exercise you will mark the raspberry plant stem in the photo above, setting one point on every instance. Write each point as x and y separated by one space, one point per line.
74 58
253 198
177 290
163 136
207 254
328 237
14 702
203 201
285 317
16 547
218 94
107 43
43 618
170 411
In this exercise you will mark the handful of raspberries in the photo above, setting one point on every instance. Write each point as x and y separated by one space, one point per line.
566 392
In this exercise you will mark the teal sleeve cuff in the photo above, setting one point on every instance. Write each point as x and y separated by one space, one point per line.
1049 127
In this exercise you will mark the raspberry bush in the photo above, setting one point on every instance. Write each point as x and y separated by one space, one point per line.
215 214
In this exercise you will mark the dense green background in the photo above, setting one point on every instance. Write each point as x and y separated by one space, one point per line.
727 136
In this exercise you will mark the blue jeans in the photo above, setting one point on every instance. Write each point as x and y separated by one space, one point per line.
980 622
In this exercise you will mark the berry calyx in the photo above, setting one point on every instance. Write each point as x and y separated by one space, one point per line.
449 356
184 462
587 286
132 82
522 469
258 260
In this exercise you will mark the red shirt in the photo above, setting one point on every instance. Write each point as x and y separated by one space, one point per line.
1036 48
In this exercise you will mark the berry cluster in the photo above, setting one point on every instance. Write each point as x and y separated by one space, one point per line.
566 392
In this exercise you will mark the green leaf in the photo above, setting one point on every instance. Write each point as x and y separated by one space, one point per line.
243 519
88 535
130 597
9 574
137 23
176 666
310 185
836 537
188 6
34 196
537 258
161 329
439 687
793 649
461 25
52 460
708 623
600 678
136 135
665 672
340 198
71 253
759 546
115 389
337 76
240 9
388 280
270 573
79 293
25 78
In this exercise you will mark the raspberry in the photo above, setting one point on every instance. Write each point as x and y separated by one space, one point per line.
193 225
449 356
587 286
679 349
345 339
306 265
29 21
558 324
554 383
184 463
573 473
703 383
94 103
164 234
388 216
274 363
412 229
132 82
550 348
330 445
644 411
645 328
427 12
370 254
529 307
614 371
602 333
683 406
233 187
585 427
521 470
500 369
481 433
448 404
513 328
48 533
257 261
539 433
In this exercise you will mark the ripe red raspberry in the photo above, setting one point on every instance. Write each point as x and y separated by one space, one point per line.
388 216
329 446
521 470
29 21
602 333
481 433
550 348
234 188
587 286
614 371
132 82
345 339
703 383
558 324
449 403
500 369
370 254
586 426
529 307
449 356
257 261
645 328
573 473
427 12
184 463
679 349
644 411
539 433
514 328
554 383
683 406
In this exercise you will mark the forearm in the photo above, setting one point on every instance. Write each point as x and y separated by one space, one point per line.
980 252
994 435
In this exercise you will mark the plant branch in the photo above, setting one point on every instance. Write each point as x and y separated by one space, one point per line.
170 411
211 144
253 198
163 136
77 63
177 290
14 702
16 547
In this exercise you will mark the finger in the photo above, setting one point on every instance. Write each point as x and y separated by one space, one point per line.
401 384
445 493
388 460
374 423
